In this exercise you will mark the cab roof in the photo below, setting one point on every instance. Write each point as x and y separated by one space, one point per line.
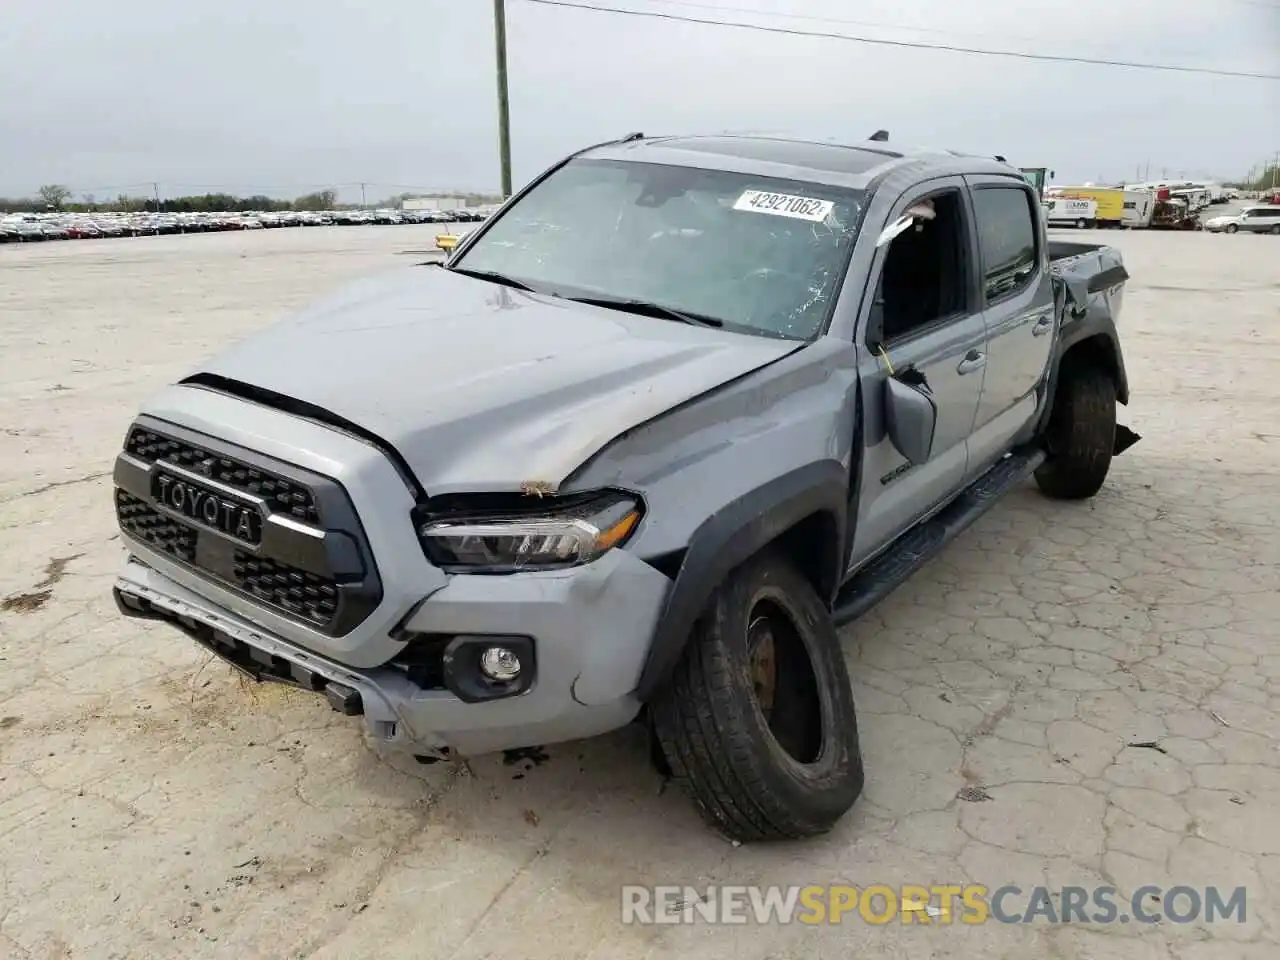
856 165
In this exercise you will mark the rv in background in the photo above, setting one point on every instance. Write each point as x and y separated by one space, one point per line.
1139 208
1195 195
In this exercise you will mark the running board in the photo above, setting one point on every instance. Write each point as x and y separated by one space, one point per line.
923 542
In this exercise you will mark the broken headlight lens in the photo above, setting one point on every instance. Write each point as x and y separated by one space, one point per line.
561 537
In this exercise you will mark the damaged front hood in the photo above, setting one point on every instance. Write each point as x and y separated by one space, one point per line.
482 387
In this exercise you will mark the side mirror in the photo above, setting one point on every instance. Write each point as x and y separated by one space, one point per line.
920 211
911 417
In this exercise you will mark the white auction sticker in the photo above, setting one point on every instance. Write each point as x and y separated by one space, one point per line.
785 205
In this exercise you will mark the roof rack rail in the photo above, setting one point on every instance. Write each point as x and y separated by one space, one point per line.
630 137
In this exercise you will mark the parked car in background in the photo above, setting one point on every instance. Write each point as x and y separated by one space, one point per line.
1259 219
96 224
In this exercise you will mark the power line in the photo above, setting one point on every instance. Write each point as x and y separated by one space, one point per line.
876 24
912 44
843 21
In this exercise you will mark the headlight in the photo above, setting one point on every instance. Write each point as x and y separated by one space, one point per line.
561 537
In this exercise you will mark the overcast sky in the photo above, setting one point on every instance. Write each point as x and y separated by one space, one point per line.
285 96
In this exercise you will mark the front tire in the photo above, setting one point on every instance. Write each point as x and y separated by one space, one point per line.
1081 435
1232 228
757 721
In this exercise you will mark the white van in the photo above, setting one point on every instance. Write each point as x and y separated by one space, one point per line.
1067 211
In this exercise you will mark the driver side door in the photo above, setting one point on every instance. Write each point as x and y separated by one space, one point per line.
923 321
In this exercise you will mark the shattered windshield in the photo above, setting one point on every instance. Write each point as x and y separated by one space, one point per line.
757 254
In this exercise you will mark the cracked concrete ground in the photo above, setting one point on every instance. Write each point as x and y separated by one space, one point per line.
153 804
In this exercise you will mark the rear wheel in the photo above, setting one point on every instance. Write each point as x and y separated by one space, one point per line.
758 721
1081 435
1081 224
1275 231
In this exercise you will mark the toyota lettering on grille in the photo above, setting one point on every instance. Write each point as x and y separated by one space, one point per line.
206 508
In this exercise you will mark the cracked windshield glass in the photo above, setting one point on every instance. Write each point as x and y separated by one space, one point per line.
759 255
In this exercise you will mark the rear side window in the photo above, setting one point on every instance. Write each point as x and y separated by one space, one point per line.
1006 239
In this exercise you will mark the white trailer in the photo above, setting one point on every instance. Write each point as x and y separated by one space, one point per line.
1070 211
1197 197
1139 207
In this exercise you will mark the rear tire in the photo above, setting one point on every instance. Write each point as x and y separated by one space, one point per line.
1275 231
1080 224
1081 435
766 754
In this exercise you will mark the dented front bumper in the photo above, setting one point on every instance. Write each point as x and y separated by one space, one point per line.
588 628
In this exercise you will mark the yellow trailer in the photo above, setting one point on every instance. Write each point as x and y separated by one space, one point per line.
1110 202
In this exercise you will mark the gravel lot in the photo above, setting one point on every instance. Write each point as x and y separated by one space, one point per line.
153 804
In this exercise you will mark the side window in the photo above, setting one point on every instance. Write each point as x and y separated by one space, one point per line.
1006 239
925 276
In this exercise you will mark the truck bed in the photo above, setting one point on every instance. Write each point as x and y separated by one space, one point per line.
1086 275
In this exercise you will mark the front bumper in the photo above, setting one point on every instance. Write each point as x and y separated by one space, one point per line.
591 628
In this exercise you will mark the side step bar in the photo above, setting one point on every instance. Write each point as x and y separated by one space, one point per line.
923 542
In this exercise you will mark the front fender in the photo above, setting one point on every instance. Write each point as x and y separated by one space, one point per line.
733 534
1087 334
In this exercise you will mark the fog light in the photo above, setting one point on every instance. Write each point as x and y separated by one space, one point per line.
500 664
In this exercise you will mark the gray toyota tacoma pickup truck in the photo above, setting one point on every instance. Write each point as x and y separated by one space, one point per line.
676 411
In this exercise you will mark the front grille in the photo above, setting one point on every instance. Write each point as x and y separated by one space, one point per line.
318 570
282 496
137 517
298 592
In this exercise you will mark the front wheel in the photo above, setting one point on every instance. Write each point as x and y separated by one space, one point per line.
1232 228
1275 231
1080 224
1081 436
758 721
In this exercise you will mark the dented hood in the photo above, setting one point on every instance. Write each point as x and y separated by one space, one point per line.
483 387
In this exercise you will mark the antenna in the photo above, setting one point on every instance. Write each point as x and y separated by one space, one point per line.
880 136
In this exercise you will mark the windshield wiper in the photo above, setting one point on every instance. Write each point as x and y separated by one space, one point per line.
492 276
650 309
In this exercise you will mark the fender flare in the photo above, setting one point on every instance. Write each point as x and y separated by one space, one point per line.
1100 328
730 536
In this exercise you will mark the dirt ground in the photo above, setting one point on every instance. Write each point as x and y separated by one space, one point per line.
152 804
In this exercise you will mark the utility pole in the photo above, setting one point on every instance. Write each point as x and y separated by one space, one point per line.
504 113
155 189
363 203
1275 168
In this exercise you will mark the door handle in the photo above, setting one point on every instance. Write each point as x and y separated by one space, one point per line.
1043 326
973 360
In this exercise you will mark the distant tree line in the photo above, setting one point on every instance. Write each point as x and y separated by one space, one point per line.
54 196
1269 177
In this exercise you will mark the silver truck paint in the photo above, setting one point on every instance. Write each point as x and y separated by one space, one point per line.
481 387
